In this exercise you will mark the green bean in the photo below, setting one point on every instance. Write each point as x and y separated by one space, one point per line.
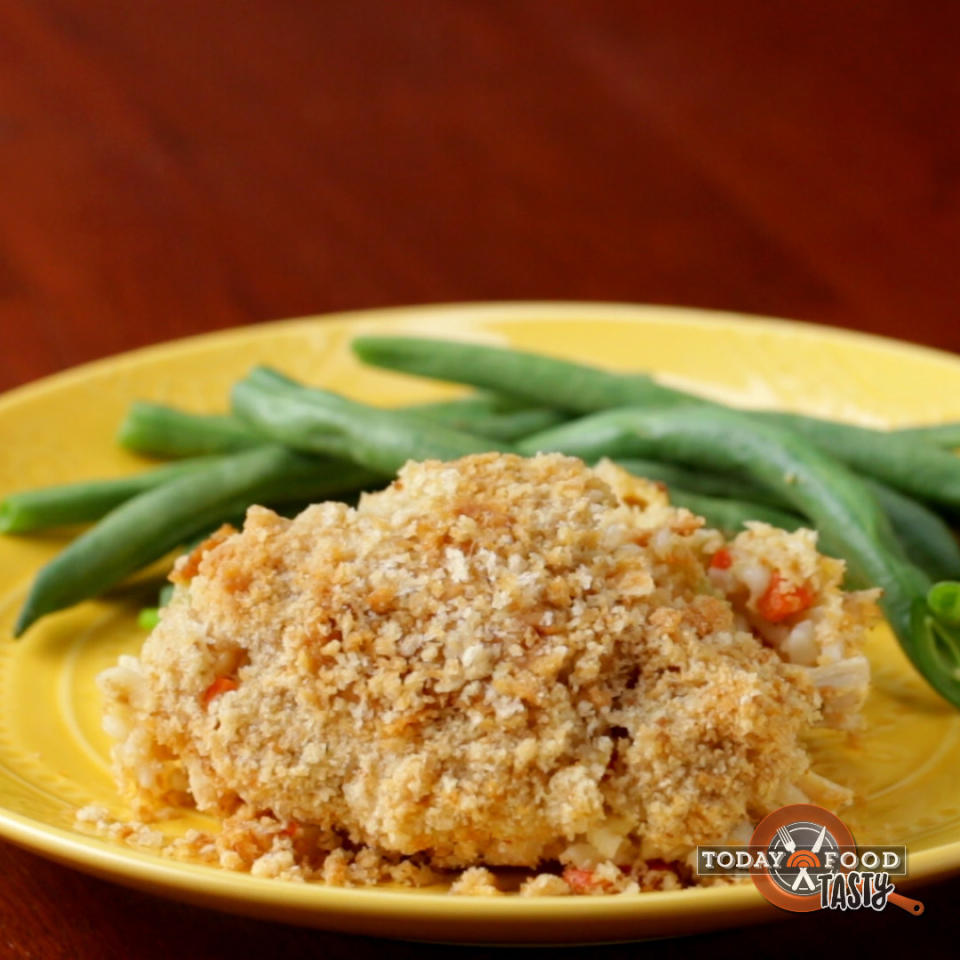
161 431
538 379
320 422
704 482
731 516
459 409
148 618
726 502
495 416
151 524
944 602
916 467
844 510
31 510
156 430
939 434
927 540
255 396
509 426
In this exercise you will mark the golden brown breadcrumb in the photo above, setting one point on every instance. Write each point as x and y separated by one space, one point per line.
495 662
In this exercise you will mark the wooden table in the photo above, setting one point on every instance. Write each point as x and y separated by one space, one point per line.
169 167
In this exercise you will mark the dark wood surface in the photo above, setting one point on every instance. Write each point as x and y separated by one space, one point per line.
169 167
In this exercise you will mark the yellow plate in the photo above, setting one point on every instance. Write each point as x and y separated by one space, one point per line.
53 754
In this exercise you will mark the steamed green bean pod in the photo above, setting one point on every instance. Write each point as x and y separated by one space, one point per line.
149 617
255 397
731 516
508 426
704 482
946 435
919 469
321 422
146 527
491 415
315 420
156 430
905 462
715 498
576 387
28 511
926 539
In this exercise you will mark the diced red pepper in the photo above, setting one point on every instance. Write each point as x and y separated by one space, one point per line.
721 560
582 881
220 685
781 599
579 881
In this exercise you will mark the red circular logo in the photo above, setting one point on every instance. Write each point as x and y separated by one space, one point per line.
800 840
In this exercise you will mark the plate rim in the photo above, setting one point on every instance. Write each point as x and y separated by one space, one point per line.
606 309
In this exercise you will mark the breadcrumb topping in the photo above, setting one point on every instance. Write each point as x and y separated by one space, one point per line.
497 662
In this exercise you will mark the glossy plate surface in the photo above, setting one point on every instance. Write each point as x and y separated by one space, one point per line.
53 755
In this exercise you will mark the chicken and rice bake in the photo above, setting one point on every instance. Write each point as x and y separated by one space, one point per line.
499 662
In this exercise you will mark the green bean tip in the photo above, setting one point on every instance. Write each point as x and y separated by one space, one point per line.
148 618
943 599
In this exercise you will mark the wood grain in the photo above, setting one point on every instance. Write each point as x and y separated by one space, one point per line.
169 167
